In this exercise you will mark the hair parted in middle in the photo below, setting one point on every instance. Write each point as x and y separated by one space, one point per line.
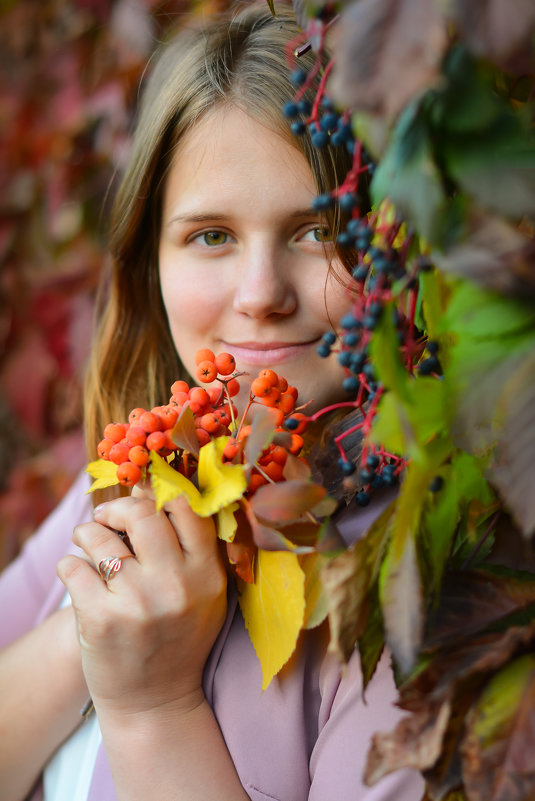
239 59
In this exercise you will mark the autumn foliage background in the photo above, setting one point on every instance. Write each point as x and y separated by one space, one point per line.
69 77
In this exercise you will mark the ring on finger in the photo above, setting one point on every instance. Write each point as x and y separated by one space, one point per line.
111 565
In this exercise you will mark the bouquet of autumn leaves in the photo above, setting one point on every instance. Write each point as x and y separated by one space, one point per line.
251 476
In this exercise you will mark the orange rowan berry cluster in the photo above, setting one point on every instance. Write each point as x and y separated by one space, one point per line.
128 445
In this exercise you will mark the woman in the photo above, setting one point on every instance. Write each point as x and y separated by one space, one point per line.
215 245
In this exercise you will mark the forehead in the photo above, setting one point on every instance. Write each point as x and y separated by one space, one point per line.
228 151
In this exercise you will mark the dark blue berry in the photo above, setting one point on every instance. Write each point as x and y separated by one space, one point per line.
304 107
357 362
298 128
362 498
373 460
329 337
351 339
344 358
320 139
291 423
366 475
290 110
432 347
346 467
337 139
375 308
378 481
329 122
322 202
345 240
369 322
360 273
348 201
298 77
354 226
350 385
428 366
349 321
369 372
323 351
436 484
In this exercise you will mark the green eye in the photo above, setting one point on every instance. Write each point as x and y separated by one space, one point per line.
214 238
322 235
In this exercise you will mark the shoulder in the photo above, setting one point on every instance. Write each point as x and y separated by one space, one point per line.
27 583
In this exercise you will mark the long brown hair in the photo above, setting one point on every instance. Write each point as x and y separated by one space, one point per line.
238 59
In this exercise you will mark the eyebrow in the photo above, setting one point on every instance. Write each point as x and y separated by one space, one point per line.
205 216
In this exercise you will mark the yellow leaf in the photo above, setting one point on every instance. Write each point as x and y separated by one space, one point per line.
219 484
315 595
104 472
273 609
168 484
227 523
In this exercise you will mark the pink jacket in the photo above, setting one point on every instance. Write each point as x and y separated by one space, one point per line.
304 739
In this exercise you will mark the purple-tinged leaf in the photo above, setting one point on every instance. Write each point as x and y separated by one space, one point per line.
387 52
184 433
286 501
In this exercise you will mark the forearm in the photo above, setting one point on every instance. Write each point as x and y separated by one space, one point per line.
176 755
42 689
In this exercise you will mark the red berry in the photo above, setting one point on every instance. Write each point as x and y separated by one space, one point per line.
260 387
179 386
210 423
206 372
179 399
255 481
103 448
279 455
203 436
150 422
231 449
204 354
215 394
135 435
233 387
135 414
115 431
270 376
274 471
168 416
198 399
128 474
225 363
139 455
157 441
119 452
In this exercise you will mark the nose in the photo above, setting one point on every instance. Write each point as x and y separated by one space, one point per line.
264 286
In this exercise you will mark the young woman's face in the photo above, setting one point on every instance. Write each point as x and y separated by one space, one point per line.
243 264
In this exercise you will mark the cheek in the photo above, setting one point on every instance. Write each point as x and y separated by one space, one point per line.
192 303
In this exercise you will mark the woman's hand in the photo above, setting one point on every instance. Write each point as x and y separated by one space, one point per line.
146 635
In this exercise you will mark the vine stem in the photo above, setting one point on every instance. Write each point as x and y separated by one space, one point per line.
481 542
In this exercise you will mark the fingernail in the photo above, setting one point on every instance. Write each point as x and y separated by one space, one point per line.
98 509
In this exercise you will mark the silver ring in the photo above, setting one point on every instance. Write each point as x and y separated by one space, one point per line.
111 565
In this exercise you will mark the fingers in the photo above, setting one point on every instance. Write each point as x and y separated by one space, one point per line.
174 533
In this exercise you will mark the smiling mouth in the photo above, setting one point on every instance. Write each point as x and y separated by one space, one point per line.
268 353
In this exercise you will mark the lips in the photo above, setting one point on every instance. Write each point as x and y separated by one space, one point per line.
265 354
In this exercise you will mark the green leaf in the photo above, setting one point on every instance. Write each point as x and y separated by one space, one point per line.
408 175
500 740
386 357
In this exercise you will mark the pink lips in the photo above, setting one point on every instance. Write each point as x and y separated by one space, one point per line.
265 354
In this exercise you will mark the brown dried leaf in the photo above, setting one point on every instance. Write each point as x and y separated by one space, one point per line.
472 600
495 254
348 578
499 30
388 51
262 431
514 472
416 742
